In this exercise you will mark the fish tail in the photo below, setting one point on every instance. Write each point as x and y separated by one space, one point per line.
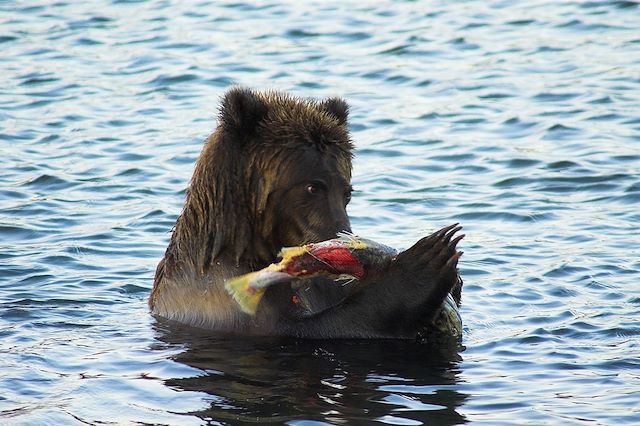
248 289
245 293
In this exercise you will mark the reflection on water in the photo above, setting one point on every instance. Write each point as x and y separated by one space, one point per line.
350 381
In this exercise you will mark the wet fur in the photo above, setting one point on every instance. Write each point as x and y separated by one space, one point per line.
249 197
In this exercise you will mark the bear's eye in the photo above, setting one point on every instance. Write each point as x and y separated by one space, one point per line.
315 186
347 194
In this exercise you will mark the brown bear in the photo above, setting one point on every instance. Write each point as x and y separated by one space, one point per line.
275 173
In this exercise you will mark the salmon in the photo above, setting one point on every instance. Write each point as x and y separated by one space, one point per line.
347 257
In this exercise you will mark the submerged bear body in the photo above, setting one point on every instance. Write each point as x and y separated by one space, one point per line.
276 173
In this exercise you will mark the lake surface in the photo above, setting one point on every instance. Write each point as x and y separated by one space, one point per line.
519 120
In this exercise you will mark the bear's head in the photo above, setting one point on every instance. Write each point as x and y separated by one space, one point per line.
275 173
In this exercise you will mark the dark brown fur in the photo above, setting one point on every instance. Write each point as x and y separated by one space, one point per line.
276 172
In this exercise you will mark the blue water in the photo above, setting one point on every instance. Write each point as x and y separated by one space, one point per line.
520 120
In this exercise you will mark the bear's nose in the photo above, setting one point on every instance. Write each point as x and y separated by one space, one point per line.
342 222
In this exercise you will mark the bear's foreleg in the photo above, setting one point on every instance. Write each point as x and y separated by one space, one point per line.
399 302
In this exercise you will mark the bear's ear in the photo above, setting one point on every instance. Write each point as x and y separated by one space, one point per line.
242 110
337 108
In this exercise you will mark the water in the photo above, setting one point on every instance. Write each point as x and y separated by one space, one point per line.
518 120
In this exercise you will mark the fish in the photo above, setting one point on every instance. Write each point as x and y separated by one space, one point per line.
448 320
347 257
